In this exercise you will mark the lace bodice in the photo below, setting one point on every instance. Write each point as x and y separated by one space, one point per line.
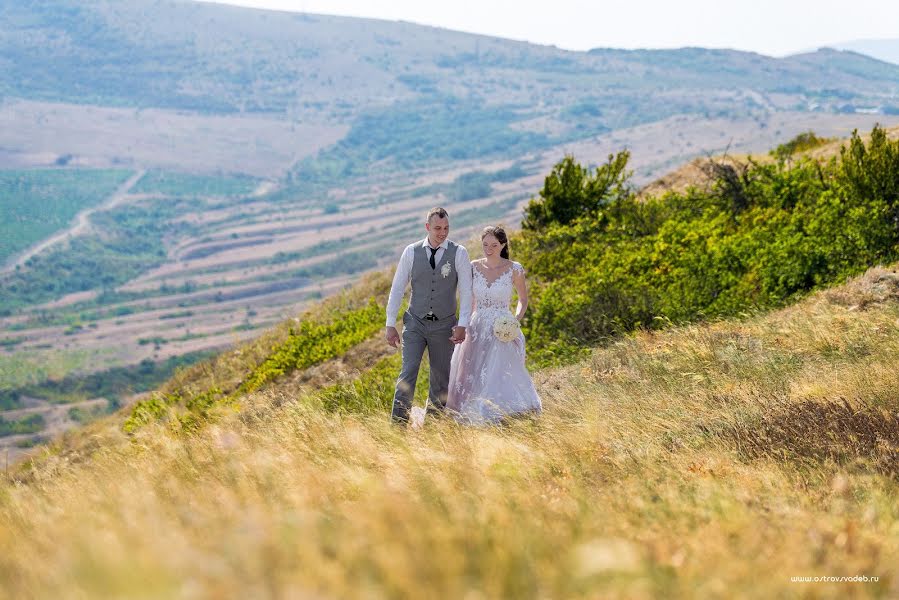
495 295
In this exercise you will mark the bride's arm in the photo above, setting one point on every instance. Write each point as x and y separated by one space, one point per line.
521 286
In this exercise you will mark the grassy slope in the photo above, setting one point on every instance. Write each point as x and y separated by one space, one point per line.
713 460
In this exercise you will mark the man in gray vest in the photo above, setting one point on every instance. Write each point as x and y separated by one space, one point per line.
436 267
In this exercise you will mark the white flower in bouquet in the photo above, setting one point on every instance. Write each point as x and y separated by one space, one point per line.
506 328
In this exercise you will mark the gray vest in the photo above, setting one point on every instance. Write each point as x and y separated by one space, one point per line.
431 291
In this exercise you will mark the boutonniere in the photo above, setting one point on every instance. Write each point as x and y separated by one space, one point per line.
446 270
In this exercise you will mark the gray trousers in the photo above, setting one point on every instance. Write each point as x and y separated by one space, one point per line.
419 334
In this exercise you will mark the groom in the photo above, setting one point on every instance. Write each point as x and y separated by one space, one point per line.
436 268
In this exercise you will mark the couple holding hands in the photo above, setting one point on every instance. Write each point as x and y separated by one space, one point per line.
477 368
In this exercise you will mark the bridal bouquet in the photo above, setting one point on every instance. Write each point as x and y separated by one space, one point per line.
505 328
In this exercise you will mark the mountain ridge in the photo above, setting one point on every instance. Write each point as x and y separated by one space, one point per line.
116 30
886 49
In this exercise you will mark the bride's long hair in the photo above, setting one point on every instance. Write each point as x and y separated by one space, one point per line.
500 234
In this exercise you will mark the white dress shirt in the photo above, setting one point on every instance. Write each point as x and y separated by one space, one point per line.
403 276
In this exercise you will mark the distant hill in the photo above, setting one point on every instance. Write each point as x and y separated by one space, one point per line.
885 50
217 59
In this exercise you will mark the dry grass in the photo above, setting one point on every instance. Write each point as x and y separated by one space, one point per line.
711 461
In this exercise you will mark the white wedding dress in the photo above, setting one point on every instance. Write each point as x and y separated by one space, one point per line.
488 379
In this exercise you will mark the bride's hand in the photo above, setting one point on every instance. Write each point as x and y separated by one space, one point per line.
458 335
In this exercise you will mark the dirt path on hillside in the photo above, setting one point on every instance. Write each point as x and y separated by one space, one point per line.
79 225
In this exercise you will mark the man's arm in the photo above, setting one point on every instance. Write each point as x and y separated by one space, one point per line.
463 271
397 291
463 268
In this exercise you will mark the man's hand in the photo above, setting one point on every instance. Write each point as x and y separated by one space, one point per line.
458 335
393 337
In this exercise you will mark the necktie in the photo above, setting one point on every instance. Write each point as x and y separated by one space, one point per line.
433 253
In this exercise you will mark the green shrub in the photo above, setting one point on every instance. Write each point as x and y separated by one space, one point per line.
313 343
603 263
29 424
570 192
149 410
800 143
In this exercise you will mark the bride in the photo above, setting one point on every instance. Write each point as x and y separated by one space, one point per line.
488 379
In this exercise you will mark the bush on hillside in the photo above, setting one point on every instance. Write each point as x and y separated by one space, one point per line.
571 192
800 143
606 263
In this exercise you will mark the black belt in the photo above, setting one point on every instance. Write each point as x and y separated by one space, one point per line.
431 317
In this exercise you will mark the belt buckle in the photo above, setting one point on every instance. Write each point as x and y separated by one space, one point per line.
431 317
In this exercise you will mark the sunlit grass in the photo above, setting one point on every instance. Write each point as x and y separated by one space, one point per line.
692 462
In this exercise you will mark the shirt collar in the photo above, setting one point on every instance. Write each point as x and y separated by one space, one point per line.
444 245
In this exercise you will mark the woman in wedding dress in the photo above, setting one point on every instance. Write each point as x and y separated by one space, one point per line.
488 379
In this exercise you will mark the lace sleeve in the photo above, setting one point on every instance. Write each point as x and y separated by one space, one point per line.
517 268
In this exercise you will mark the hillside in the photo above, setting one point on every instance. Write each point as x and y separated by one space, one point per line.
721 458
269 158
710 460
220 59
64 401
693 173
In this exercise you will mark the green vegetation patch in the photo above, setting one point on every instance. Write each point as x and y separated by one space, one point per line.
317 338
472 185
29 424
315 343
603 262
86 415
373 390
418 134
9 342
191 185
34 204
132 241
30 367
800 143
114 384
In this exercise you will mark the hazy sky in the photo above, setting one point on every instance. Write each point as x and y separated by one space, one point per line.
774 27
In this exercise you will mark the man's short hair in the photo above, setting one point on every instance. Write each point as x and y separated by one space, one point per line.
437 212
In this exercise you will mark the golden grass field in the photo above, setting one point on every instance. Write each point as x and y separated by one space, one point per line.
714 460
